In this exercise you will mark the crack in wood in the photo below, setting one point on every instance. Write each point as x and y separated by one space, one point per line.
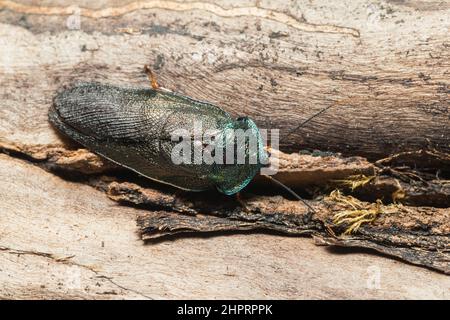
68 261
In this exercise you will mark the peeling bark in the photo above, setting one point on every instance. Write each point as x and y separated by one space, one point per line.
415 230
419 235
60 158
384 144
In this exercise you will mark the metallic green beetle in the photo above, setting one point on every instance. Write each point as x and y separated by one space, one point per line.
133 126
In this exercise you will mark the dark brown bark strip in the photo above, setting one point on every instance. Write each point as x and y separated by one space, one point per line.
159 224
432 259
320 172
403 231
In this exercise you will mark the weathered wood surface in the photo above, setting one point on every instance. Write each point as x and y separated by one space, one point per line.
386 63
62 239
414 233
419 235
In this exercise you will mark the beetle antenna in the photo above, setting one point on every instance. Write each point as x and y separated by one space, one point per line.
338 103
292 192
310 118
152 77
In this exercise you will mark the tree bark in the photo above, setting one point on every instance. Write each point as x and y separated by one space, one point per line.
68 218
62 239
386 64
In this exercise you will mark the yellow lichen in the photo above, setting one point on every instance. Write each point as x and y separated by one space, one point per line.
356 181
358 213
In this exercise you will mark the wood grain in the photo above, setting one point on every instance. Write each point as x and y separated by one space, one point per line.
384 65
60 239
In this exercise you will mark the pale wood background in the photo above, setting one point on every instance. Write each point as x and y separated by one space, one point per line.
389 60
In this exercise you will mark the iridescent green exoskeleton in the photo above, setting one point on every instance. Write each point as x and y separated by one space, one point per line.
134 127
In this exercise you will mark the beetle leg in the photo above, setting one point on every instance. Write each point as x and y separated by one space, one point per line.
152 77
242 203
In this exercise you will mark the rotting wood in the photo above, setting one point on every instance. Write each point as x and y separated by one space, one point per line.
385 64
422 233
48 219
318 173
274 212
391 81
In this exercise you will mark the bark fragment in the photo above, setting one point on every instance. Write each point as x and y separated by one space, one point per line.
386 229
419 235
60 157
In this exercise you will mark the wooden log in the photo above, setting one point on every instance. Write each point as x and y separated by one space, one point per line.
385 64
62 239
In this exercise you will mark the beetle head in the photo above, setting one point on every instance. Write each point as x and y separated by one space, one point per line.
248 156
